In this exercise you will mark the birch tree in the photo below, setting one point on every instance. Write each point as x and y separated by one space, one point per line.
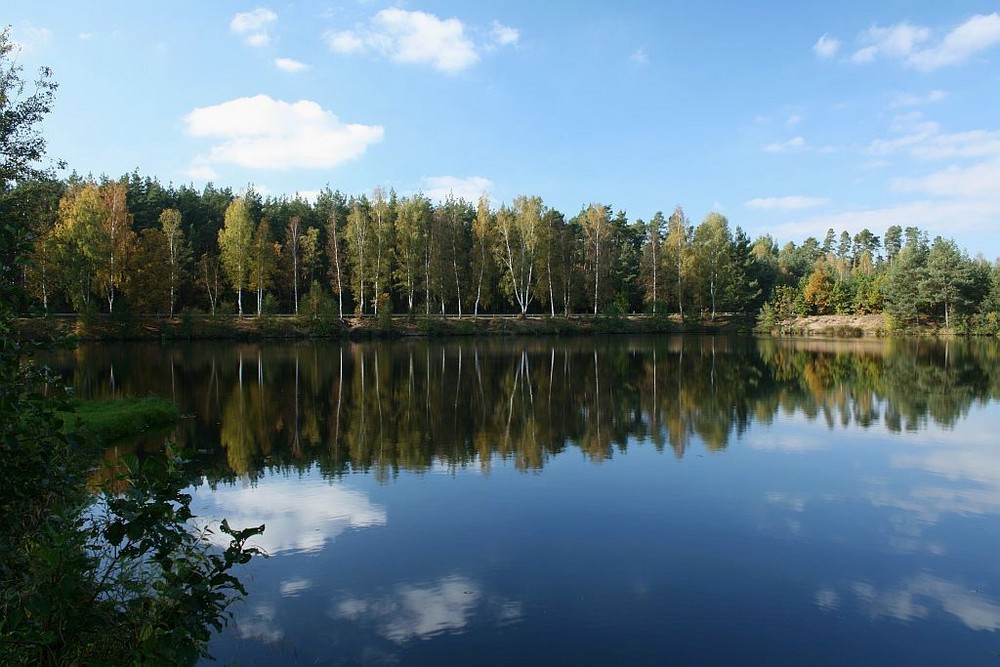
178 251
209 273
381 236
359 232
293 254
677 255
331 208
80 243
483 258
596 233
651 273
264 262
117 241
711 242
412 221
236 248
518 229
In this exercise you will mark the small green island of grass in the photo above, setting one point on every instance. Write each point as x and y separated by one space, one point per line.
111 420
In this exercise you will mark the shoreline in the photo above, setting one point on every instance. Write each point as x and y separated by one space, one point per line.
292 327
189 327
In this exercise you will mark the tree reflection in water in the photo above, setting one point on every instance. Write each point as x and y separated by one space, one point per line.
416 405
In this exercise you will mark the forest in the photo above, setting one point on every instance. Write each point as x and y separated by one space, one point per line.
103 245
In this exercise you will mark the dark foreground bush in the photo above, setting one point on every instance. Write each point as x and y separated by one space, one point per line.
123 577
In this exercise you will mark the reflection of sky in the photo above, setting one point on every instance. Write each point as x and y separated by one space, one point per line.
259 624
926 474
962 466
301 512
915 598
875 527
414 611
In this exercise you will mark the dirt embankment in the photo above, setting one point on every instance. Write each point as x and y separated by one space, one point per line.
840 326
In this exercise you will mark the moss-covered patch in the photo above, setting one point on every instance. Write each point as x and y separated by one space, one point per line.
116 419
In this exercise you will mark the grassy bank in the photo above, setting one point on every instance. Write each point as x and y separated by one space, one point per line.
109 421
227 327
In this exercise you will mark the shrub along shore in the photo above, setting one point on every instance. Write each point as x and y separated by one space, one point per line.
271 327
202 327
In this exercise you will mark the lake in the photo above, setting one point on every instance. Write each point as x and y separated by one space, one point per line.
652 500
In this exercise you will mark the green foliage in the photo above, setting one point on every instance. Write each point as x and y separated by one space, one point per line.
110 420
124 578
269 305
902 287
133 239
818 292
119 578
318 303
384 310
236 246
767 319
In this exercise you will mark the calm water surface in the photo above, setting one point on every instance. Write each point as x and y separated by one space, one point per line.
689 500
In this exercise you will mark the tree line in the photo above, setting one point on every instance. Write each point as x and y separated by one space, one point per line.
133 244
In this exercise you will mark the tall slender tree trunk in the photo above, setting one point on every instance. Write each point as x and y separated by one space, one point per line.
336 261
552 299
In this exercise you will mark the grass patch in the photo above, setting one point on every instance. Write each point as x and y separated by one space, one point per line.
120 418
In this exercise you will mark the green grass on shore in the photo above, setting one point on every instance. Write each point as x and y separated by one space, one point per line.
116 419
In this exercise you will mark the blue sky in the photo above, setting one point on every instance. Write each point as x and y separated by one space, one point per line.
787 117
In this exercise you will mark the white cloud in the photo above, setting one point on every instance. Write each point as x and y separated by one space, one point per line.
416 612
913 130
909 602
308 195
788 443
411 38
945 217
903 100
971 144
289 65
792 203
415 37
260 625
979 180
422 611
293 587
639 57
200 172
263 133
258 39
31 40
977 34
865 55
468 188
793 120
345 42
303 522
923 140
912 45
826 46
828 599
785 146
504 35
253 26
898 41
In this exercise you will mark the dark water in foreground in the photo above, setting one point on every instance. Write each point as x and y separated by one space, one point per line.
689 500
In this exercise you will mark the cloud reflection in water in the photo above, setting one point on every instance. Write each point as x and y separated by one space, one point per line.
301 514
914 599
423 611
